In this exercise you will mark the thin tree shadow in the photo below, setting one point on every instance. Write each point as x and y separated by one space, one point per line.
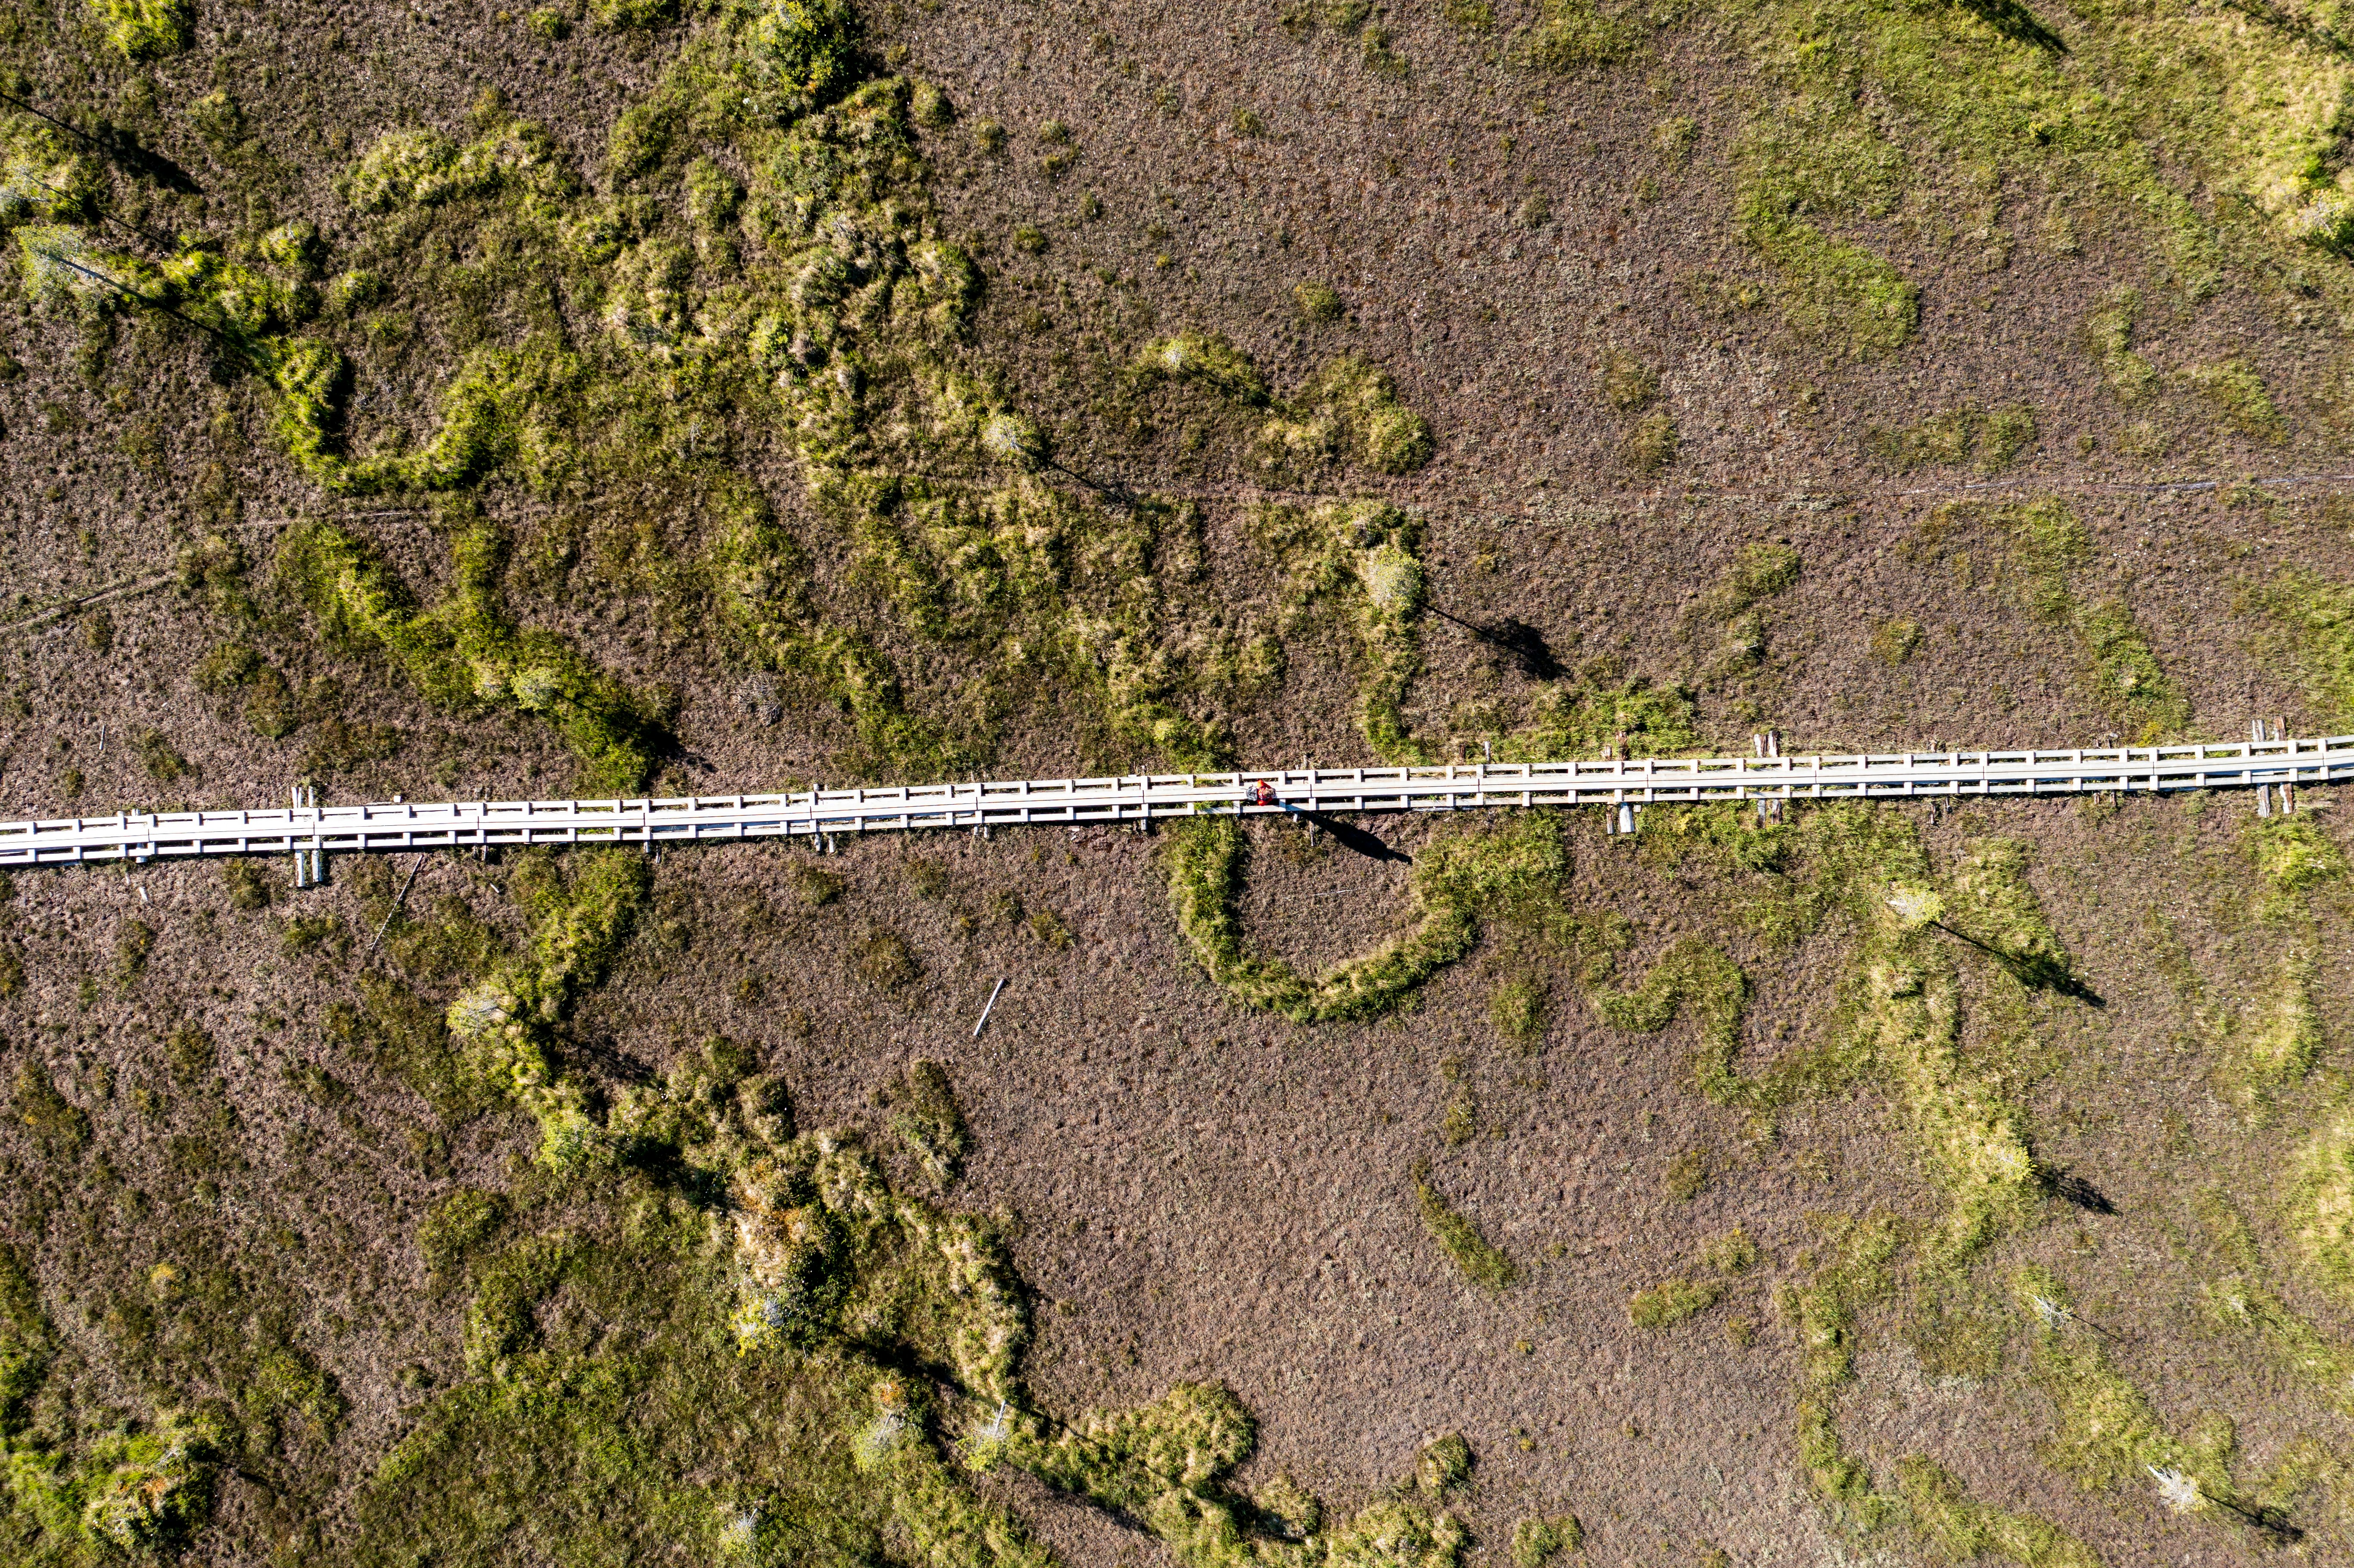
2272 1521
2066 1184
1351 837
2036 972
120 147
610 1058
1517 640
1112 494
2017 23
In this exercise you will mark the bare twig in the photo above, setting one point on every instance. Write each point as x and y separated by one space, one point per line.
988 1007
386 924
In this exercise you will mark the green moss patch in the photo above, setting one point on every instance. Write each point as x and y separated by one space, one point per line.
1456 882
2316 616
1947 1518
466 654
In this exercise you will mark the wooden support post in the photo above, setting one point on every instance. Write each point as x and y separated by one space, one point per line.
2263 792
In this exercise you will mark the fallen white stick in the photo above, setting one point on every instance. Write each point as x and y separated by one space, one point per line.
986 1009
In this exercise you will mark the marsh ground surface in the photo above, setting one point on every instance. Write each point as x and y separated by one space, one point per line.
461 402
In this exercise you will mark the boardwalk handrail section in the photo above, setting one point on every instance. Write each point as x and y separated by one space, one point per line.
1134 797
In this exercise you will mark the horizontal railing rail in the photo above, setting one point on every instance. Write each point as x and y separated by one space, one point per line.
1136 798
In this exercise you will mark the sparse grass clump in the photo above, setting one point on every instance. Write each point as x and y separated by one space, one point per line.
2106 1430
1482 1263
2318 618
2322 1204
1965 436
1317 302
1895 639
1538 1541
2108 333
465 653
2245 1301
1351 401
884 960
925 1116
2122 671
1518 1008
1686 1176
815 886
504 1023
1731 1252
1668 1303
1572 34
1627 382
1444 1464
246 884
455 1227
2294 852
159 757
146 29
2237 392
1051 930
1356 566
1579 719
1649 444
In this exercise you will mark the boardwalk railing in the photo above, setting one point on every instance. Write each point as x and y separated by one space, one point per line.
465 824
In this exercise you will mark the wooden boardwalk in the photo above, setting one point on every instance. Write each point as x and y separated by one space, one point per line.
313 831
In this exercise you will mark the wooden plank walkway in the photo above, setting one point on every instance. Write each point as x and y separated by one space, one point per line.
467 824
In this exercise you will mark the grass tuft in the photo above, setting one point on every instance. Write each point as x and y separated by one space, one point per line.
1482 1263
